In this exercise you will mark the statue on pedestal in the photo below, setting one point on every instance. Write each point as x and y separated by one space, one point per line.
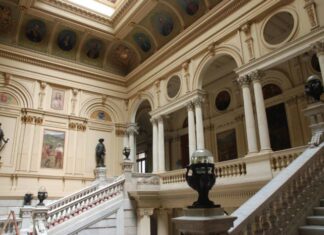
100 153
2 139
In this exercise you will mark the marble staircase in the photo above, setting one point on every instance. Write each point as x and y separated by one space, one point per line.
315 222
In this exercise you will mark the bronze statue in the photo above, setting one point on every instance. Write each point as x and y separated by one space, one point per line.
100 153
314 87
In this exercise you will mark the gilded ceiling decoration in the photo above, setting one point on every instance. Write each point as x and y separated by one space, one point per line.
80 43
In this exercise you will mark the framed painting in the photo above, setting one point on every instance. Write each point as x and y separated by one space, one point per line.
226 145
57 100
53 149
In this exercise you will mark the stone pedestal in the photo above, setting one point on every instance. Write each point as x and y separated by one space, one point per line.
26 214
40 220
101 176
315 114
204 222
127 167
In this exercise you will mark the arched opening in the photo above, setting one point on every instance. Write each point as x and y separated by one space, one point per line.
144 138
277 119
221 131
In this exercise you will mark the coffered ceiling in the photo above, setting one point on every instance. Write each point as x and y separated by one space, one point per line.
116 43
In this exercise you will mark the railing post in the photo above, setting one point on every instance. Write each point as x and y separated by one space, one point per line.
27 220
40 220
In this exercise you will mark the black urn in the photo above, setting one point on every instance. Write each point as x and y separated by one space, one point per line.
27 199
314 87
200 176
41 195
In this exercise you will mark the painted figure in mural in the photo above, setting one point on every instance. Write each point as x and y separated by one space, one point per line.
57 101
66 40
59 156
100 153
46 154
2 139
192 6
166 25
5 19
142 41
94 48
35 30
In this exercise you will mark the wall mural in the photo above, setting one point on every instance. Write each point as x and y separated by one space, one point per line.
191 7
100 116
66 40
143 41
57 100
35 30
226 145
53 149
93 48
7 99
163 23
223 100
6 20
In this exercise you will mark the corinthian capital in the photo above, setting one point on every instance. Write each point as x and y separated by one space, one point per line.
190 106
132 129
256 75
318 47
198 101
244 80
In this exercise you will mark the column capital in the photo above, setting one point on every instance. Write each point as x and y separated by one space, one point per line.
244 80
190 106
132 129
318 47
198 101
145 212
256 76
153 120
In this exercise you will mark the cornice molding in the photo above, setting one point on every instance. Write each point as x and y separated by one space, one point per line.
20 55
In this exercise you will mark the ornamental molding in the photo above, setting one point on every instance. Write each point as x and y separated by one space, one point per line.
310 7
59 67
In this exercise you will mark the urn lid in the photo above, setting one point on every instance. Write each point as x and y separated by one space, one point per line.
202 156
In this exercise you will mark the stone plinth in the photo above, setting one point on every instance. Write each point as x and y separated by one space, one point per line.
101 176
26 214
40 214
315 113
204 222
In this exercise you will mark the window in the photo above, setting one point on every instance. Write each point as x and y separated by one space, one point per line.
141 161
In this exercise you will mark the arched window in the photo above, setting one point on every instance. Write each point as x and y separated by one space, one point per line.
271 90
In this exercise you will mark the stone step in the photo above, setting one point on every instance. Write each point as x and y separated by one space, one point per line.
315 220
318 210
322 202
311 230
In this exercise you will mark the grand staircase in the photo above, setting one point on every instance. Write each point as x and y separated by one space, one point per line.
315 222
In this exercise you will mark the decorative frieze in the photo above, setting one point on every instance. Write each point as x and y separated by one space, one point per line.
78 126
29 119
120 129
310 7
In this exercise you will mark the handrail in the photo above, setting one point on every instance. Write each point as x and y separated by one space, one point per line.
271 210
68 210
73 196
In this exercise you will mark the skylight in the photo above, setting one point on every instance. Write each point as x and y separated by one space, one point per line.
95 6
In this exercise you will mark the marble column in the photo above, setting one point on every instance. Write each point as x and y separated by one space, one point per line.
161 145
143 220
155 145
319 48
163 221
132 130
191 129
264 138
199 123
248 113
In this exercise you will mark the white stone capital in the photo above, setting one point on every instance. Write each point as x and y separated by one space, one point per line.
318 47
244 81
145 212
256 76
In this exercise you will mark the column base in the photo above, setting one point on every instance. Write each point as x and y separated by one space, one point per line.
211 221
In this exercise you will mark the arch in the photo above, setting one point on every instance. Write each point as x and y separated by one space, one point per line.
19 92
95 104
138 101
278 78
175 11
209 57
